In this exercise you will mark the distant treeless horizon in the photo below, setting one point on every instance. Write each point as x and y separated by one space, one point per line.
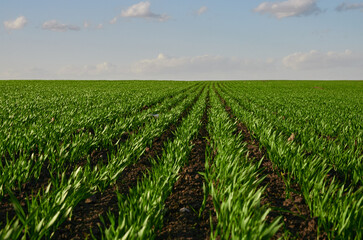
192 40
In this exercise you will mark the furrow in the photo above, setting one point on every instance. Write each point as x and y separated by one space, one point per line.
183 206
288 203
344 176
86 216
97 154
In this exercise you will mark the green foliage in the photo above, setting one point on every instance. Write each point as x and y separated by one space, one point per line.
273 111
233 183
141 212
312 132
51 207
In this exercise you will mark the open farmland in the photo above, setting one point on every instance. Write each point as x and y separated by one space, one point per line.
181 160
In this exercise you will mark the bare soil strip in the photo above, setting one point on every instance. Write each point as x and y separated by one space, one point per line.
7 208
182 220
87 214
293 209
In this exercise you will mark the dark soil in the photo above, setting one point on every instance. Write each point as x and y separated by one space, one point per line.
34 185
97 156
27 190
320 88
287 203
86 216
151 105
343 176
182 220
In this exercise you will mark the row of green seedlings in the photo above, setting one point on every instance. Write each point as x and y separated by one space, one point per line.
67 132
345 155
66 116
324 117
71 118
45 139
232 181
324 109
59 156
50 207
141 212
339 210
344 163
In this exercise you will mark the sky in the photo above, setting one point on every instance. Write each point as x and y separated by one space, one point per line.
181 40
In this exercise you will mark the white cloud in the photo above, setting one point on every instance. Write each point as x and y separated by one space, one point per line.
86 24
16 24
89 25
113 20
310 65
54 25
103 70
200 67
299 66
320 60
201 10
142 10
288 8
25 72
349 6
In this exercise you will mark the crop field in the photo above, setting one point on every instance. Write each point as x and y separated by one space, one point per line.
181 160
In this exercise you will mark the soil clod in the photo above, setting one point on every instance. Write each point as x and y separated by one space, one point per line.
182 220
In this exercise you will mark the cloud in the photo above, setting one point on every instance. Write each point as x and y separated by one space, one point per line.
349 6
201 10
104 70
54 25
312 65
142 10
22 72
16 24
113 20
289 8
320 60
97 71
200 67
86 24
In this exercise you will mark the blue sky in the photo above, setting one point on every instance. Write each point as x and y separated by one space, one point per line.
191 39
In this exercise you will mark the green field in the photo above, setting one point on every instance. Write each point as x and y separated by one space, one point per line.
181 160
